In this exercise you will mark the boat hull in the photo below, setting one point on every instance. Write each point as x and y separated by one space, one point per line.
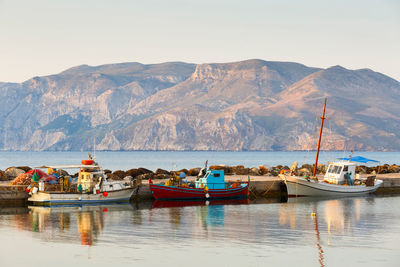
163 192
62 198
298 186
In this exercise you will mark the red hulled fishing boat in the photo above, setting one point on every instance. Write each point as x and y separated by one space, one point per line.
211 186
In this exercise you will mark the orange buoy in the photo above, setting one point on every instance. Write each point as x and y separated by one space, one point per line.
87 161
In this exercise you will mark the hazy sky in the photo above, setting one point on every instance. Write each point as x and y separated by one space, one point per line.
40 37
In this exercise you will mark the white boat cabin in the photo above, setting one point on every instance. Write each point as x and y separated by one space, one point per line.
341 172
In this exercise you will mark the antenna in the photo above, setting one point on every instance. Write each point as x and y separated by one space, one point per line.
94 147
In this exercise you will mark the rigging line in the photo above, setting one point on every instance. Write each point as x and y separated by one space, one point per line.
329 139
313 137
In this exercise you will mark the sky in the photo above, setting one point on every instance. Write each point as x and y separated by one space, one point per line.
45 37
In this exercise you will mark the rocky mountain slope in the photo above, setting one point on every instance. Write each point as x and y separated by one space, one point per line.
248 105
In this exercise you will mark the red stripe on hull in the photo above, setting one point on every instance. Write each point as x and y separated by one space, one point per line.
172 192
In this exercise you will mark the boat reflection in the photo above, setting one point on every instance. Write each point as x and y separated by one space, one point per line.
339 216
83 223
188 203
207 213
318 238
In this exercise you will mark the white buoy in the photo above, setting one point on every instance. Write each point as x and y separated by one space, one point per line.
207 195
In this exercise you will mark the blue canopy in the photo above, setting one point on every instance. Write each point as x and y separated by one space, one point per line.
359 159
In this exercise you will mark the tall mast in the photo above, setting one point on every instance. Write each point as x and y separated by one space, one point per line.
319 139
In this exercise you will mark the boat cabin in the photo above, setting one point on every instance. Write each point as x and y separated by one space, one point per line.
88 179
214 179
340 173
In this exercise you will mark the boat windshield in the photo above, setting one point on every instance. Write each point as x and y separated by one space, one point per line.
335 169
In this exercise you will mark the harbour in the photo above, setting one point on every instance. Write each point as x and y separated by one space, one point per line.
252 231
199 133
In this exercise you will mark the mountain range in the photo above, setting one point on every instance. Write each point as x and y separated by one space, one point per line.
246 105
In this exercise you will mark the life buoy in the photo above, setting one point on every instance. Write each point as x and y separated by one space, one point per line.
87 161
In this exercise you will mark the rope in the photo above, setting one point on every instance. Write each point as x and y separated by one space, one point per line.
266 192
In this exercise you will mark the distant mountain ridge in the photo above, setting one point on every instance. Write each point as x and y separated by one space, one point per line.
246 105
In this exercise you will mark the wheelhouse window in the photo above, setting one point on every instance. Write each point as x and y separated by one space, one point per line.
337 169
330 169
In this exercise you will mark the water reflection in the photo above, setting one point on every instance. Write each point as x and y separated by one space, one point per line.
339 217
318 239
313 226
83 223
338 214
207 213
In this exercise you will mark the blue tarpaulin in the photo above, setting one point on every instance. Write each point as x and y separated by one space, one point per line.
359 159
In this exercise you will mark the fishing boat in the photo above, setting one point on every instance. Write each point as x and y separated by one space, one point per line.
90 187
340 178
211 186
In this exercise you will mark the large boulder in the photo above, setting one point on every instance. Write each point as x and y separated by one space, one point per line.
381 169
362 169
263 170
241 170
161 171
394 168
144 170
194 171
254 171
274 171
25 168
113 176
13 172
120 174
133 172
3 176
227 169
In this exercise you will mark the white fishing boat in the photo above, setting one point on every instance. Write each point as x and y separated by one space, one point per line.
340 178
90 187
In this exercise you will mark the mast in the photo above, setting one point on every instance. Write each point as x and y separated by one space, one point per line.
319 139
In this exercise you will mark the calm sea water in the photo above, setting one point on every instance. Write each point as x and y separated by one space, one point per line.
178 160
343 232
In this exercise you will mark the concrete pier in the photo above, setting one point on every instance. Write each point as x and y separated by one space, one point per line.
13 194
